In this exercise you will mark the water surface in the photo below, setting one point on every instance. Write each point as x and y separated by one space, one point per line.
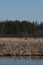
21 61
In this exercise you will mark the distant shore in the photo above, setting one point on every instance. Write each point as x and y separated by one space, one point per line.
21 46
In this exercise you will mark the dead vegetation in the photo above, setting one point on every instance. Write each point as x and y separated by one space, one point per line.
21 46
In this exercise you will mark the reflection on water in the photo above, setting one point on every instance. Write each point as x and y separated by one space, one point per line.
22 60
24 57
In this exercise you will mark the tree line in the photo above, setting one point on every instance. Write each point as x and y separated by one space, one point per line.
21 29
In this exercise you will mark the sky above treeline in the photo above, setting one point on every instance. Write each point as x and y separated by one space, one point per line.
31 10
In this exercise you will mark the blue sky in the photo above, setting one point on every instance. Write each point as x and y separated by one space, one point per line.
21 10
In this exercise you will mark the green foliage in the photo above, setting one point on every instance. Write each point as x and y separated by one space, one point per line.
18 28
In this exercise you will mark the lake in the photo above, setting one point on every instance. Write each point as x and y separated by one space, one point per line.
21 61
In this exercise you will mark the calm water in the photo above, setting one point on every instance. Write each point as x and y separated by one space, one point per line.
21 61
